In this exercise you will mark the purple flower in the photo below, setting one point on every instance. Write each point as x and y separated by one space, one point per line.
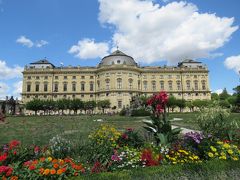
194 136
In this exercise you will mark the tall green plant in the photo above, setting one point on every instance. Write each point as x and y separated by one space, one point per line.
159 125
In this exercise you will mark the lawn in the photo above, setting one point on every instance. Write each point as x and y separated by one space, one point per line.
39 129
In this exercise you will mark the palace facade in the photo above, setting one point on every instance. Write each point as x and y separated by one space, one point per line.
117 78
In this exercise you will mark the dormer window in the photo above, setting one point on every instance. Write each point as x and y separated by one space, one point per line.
118 61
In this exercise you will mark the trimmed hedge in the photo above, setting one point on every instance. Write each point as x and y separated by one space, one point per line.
140 112
207 170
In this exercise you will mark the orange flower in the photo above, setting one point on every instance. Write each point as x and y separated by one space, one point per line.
76 167
14 178
41 170
54 161
46 172
4 178
61 162
55 166
59 172
35 162
53 171
42 159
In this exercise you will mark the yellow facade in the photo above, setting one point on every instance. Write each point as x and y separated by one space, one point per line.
117 78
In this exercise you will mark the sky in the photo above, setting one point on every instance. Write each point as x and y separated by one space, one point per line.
153 32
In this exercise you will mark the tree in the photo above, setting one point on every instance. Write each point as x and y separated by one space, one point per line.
224 95
171 103
89 105
34 105
76 104
103 104
214 97
237 94
224 104
181 103
190 105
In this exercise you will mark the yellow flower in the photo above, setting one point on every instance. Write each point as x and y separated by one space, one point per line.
174 162
230 151
216 154
223 154
235 158
210 154
49 159
219 142
213 149
196 157
226 146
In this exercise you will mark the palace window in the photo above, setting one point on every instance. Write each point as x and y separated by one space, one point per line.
169 76
188 83
162 85
56 77
45 87
28 87
139 84
196 85
153 76
161 76
37 77
82 77
73 86
82 86
91 95
91 77
119 104
98 85
91 86
170 85
74 77
37 87
65 77
130 81
107 84
65 87
178 85
73 96
145 85
56 87
154 85
46 77
178 76
203 85
29 77
119 83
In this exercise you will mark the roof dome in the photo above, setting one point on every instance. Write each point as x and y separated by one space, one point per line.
117 57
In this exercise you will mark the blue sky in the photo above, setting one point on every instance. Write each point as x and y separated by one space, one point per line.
153 32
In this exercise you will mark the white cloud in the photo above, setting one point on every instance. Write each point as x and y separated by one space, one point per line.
88 48
25 41
7 72
29 43
3 90
233 62
218 91
41 43
17 86
151 33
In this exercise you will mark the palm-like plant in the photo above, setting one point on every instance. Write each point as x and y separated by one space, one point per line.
159 125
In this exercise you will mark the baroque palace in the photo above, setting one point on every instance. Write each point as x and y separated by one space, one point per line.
117 78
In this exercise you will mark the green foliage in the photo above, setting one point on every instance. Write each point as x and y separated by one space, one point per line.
103 104
214 97
34 105
60 147
224 95
140 112
214 120
172 103
181 103
130 138
224 103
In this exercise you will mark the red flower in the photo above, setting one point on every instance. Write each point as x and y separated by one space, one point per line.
4 169
9 172
124 136
3 157
14 152
36 149
147 157
13 144
32 167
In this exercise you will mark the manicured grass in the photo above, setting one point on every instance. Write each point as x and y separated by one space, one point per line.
207 170
39 129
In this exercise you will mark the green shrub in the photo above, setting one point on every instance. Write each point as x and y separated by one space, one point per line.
140 112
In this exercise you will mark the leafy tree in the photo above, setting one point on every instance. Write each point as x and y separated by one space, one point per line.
224 95
76 104
181 103
237 94
190 105
224 104
89 105
103 104
171 103
61 104
34 105
200 103
232 100
214 97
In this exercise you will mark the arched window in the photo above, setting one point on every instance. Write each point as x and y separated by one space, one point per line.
56 87
162 85
154 85
203 85
82 86
73 86
65 86
107 84
188 84
170 85
98 85
145 85
119 83
130 82
196 85
91 87
178 85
